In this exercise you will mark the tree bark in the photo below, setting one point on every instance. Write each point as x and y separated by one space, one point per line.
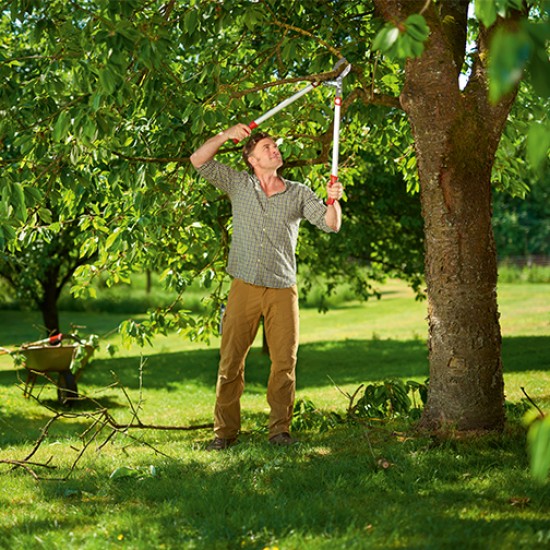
456 136
48 303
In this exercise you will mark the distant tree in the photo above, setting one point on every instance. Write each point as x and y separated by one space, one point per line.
40 270
522 225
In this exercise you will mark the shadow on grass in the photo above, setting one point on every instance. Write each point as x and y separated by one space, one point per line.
526 353
328 490
20 429
344 362
319 364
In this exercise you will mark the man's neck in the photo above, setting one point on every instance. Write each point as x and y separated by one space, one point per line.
270 182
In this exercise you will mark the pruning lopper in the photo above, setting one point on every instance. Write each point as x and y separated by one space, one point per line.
337 84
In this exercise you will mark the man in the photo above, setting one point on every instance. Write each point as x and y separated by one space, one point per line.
267 210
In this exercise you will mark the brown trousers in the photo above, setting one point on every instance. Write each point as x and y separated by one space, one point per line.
245 306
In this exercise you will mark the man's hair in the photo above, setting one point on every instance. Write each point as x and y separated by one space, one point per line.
250 144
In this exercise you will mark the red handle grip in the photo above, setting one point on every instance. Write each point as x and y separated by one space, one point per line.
251 125
333 179
55 339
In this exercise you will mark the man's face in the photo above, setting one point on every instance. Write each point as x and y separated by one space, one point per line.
266 155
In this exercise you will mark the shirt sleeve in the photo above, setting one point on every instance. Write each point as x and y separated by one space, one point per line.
221 176
315 210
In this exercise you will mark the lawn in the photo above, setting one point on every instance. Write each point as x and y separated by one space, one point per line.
375 485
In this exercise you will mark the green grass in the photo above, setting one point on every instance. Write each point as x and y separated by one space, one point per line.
330 492
509 273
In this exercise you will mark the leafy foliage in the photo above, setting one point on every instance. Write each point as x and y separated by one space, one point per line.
538 439
386 400
518 52
514 51
405 40
389 399
103 102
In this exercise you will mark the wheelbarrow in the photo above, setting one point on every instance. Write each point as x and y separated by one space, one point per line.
55 355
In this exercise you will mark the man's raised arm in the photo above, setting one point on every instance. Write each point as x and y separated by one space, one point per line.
209 148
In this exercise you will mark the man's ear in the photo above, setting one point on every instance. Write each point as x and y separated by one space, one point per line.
252 160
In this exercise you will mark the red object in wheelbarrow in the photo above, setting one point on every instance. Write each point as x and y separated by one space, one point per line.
50 356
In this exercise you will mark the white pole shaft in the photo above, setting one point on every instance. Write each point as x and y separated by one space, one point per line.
336 138
282 105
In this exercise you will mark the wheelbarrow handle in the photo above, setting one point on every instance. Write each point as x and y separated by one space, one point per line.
52 340
55 339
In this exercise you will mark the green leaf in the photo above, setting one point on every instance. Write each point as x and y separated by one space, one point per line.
539 73
508 55
124 471
252 16
538 143
33 195
107 81
416 26
61 126
386 38
410 43
113 240
538 438
17 200
191 21
96 100
8 233
486 11
45 215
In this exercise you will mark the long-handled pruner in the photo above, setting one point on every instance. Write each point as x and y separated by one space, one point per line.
336 131
289 100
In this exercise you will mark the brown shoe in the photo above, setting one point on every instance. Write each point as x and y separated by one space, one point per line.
219 444
283 440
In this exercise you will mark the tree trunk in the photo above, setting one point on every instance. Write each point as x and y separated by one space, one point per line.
456 136
466 381
148 282
48 305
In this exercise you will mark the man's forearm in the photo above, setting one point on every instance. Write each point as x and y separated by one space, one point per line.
333 216
210 147
208 150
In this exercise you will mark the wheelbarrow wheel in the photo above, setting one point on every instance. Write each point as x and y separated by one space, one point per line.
67 390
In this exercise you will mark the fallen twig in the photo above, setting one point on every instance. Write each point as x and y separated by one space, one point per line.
541 412
99 419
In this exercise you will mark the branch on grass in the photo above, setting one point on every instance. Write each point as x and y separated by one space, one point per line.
26 465
540 411
97 421
351 398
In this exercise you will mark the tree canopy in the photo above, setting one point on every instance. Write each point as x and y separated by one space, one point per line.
104 101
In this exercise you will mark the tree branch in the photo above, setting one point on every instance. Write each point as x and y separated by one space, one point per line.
334 51
99 420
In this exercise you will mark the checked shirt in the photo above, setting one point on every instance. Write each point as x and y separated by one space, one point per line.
265 229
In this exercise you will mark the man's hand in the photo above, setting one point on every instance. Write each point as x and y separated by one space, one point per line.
209 148
238 132
335 191
333 217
